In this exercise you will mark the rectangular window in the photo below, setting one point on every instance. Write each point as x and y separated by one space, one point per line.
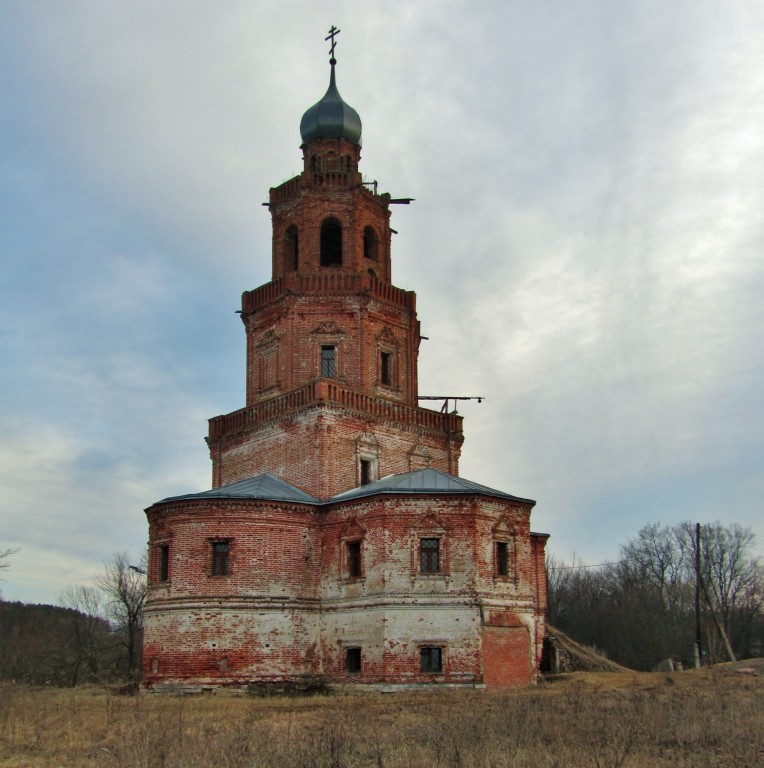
386 368
431 660
163 553
353 661
328 361
502 558
429 550
220 559
366 471
354 559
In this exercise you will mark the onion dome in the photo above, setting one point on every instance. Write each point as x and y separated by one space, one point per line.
331 118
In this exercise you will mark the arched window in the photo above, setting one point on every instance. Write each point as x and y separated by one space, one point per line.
291 249
370 243
331 243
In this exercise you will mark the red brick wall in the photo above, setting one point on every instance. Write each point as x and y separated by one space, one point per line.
334 189
289 606
507 656
284 340
538 547
352 307
317 450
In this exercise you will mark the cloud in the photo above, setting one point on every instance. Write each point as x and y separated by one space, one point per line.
585 245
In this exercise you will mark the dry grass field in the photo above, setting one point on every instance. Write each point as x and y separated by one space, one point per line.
605 720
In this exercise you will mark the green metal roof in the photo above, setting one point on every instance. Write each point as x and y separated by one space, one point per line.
423 482
263 486
331 118
426 482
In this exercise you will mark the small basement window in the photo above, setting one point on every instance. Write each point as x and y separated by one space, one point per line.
353 661
354 559
431 660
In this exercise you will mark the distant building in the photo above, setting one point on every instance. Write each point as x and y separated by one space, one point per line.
338 542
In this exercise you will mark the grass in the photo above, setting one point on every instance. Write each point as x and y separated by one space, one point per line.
605 720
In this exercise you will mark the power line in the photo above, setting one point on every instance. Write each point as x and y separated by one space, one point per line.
578 567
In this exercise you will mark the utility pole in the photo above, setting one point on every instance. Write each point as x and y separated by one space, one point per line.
698 647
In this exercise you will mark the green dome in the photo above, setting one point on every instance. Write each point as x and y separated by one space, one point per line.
331 118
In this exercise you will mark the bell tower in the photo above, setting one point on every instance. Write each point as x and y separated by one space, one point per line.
338 542
332 344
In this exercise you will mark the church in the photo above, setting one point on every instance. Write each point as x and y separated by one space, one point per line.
338 542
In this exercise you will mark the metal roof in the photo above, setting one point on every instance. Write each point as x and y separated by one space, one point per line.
424 481
263 486
331 117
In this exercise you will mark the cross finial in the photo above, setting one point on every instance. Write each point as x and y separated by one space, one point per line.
333 32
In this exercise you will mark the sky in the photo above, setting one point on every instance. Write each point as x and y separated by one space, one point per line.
586 244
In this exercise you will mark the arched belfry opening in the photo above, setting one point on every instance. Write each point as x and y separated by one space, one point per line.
291 249
331 243
370 244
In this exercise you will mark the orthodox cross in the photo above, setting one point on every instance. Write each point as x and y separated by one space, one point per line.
333 32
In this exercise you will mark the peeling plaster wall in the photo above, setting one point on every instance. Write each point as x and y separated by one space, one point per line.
290 607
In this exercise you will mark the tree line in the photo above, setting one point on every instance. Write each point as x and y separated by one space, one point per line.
94 635
642 609
637 611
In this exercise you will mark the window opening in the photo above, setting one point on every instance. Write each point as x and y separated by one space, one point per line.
386 368
502 558
331 243
291 249
328 361
354 559
366 471
163 550
353 661
429 550
220 558
431 660
370 244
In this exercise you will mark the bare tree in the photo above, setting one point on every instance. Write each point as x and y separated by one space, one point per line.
733 583
653 558
564 589
124 589
642 610
4 557
89 644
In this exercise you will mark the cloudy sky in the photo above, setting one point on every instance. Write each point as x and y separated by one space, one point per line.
587 246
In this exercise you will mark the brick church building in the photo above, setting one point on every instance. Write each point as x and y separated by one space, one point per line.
338 541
